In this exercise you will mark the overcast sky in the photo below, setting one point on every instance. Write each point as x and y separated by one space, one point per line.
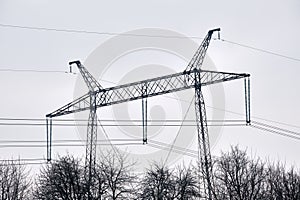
269 25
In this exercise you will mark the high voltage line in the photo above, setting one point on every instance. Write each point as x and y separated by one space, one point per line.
97 32
179 130
152 143
115 125
161 145
66 140
116 120
26 122
276 130
232 122
255 124
32 70
145 35
168 147
63 145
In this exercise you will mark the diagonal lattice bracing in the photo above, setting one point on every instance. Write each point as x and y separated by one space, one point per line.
90 81
146 88
198 58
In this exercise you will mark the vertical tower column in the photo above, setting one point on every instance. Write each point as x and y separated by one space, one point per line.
91 142
247 99
204 156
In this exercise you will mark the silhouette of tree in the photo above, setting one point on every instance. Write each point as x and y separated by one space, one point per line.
158 183
280 184
14 181
98 184
238 177
235 176
161 182
186 183
62 179
116 172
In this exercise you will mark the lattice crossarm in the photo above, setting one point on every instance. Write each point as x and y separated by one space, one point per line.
212 77
144 89
198 57
147 88
80 104
90 81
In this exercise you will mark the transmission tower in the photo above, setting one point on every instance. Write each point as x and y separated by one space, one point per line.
192 77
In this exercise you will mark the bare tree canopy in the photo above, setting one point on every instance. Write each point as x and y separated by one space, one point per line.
14 181
186 183
62 179
117 175
158 183
238 177
235 176
161 182
65 179
280 184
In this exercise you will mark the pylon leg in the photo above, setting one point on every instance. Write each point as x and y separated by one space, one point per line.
91 142
203 144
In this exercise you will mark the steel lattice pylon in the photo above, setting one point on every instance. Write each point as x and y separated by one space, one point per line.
192 77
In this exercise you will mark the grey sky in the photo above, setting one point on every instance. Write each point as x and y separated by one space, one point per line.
271 25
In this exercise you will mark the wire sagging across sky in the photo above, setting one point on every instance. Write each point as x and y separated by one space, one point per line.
143 35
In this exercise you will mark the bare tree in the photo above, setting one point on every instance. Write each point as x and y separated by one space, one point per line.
115 175
98 185
238 177
158 183
280 184
235 176
14 181
186 183
61 179
161 182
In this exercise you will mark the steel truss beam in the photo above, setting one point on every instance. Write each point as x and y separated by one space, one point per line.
198 58
146 88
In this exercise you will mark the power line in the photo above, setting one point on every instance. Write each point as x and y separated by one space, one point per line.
175 150
114 125
97 32
32 70
172 146
27 163
116 120
178 132
277 122
261 50
264 128
241 114
157 145
66 140
143 35
231 122
22 159
72 122
63 145
277 128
